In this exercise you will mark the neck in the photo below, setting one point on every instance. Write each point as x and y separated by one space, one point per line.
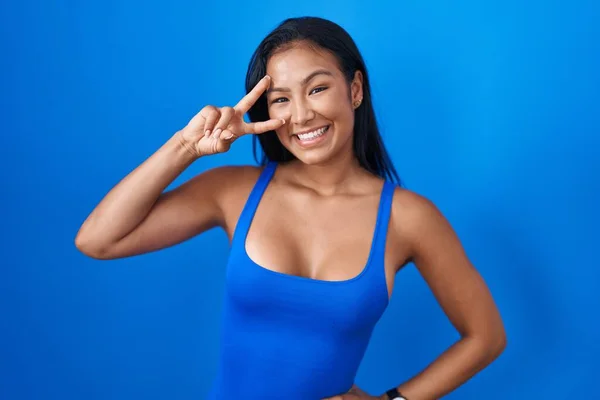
329 177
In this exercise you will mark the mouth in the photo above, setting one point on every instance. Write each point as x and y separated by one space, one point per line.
312 137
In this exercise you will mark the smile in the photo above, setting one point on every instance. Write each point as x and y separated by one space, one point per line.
312 134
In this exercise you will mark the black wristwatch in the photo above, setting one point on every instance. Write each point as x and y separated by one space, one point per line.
394 394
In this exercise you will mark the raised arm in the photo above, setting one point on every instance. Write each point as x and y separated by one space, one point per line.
137 216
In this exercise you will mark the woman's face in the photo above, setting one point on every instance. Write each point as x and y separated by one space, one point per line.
310 92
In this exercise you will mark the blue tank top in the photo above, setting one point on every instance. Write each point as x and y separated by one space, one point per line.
291 337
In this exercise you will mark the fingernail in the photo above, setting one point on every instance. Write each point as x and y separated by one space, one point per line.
207 132
267 77
283 121
217 132
229 136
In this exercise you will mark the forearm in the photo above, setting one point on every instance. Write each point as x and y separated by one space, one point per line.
130 201
453 368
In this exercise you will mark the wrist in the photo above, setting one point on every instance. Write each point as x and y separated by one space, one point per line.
393 394
183 150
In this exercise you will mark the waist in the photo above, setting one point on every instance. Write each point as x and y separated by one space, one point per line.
262 374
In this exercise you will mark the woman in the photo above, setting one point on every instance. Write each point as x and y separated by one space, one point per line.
317 232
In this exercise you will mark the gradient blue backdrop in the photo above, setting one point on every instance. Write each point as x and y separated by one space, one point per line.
490 109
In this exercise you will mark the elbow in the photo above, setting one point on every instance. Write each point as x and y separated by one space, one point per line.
487 348
90 248
495 345
499 339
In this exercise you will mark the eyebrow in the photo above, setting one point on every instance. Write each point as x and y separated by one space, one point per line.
303 82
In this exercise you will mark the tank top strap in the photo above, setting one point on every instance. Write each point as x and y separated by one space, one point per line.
243 224
383 218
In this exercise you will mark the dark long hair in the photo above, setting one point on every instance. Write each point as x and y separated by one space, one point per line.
322 34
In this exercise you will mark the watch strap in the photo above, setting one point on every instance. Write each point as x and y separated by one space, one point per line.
394 394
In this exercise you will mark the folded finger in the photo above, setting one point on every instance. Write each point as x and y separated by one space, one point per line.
212 116
226 114
227 135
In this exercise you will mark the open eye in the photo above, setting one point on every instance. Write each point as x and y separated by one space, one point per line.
318 89
279 100
284 99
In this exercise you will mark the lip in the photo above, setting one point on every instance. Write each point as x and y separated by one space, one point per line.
309 130
314 142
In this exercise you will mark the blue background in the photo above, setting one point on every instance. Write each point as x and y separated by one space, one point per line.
490 109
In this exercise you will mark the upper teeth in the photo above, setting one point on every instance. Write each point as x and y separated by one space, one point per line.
313 134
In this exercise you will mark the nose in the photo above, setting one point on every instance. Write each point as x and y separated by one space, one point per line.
301 112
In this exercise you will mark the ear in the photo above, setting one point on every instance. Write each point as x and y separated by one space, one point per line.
356 87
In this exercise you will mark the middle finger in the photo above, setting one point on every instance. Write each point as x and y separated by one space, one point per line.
252 97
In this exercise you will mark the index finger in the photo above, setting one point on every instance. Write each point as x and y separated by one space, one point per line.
248 100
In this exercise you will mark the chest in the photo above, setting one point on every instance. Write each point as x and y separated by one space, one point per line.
302 234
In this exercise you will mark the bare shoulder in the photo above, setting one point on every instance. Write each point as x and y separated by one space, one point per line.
411 207
230 187
227 182
230 177
414 215
233 181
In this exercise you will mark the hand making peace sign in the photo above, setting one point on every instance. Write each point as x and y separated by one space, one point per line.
213 129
